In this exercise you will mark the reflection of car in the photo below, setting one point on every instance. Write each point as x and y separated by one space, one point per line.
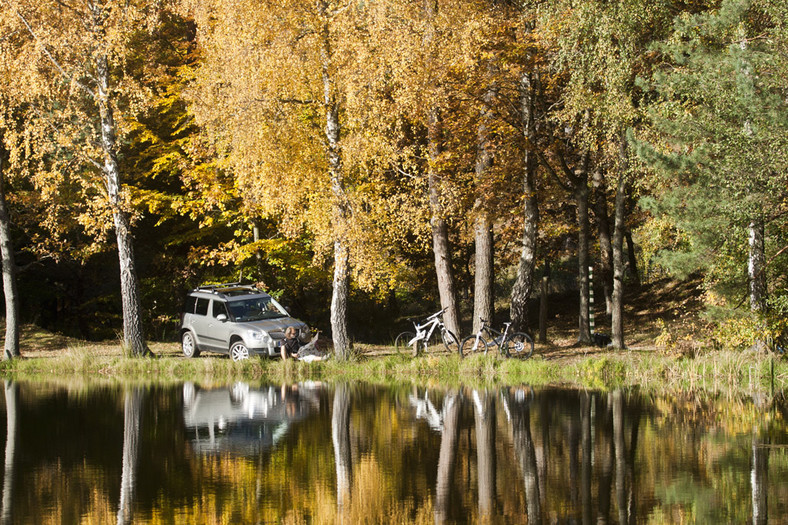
236 320
241 419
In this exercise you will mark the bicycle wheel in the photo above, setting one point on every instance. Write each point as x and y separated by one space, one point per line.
518 345
435 345
470 346
450 342
401 343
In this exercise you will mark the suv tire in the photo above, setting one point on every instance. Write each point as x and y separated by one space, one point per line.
189 346
238 351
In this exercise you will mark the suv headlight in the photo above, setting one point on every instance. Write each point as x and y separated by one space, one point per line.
259 337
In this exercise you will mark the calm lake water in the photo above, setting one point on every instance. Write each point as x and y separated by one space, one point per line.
312 453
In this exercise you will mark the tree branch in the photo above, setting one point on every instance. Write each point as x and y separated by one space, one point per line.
51 58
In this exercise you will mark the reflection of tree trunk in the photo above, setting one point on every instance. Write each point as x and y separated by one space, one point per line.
585 469
621 461
526 457
574 467
543 452
132 416
11 390
485 451
340 433
451 433
760 481
606 478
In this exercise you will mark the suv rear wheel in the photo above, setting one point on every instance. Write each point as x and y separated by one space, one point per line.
238 351
188 345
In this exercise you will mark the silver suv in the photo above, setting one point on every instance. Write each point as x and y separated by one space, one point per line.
235 319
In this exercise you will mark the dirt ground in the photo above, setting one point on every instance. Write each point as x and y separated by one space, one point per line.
648 308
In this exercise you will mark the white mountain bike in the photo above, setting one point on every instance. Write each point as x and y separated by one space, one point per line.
431 336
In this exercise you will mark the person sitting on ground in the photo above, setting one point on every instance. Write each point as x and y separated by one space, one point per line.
292 347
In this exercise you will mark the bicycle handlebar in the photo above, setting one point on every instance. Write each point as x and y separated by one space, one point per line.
437 314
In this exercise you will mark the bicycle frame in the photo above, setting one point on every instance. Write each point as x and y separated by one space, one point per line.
422 334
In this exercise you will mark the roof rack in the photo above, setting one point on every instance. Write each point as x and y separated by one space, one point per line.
219 288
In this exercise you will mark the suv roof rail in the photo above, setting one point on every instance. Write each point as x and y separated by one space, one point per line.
218 288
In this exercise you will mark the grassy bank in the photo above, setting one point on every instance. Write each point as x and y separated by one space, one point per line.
714 371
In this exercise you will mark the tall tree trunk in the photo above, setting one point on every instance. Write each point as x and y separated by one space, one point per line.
132 421
440 229
605 244
617 315
9 272
440 232
258 256
340 294
452 405
484 278
581 198
133 333
340 434
484 405
523 286
632 260
11 391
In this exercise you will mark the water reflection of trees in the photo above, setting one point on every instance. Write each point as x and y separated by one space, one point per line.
355 453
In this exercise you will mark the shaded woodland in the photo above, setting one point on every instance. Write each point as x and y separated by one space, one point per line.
366 161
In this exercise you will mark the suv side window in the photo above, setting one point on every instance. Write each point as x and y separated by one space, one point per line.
202 306
189 306
219 307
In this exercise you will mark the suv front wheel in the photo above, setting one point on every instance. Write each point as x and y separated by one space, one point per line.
189 346
238 351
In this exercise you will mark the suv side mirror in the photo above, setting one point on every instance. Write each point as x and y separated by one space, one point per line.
222 318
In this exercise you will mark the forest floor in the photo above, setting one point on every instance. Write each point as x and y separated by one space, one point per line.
650 311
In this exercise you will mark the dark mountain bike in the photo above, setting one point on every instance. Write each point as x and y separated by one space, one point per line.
431 336
515 344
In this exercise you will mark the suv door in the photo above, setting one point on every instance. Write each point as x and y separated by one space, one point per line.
220 330
199 322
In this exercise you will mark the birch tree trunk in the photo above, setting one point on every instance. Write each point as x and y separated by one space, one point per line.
617 313
524 284
339 297
756 266
9 272
133 334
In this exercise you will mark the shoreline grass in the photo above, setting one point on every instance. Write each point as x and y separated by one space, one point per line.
715 371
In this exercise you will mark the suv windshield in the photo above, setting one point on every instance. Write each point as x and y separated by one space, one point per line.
255 309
